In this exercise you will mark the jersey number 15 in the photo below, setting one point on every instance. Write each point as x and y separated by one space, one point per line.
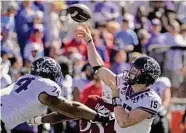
154 104
23 84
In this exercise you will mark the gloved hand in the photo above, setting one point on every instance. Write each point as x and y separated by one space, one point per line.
35 121
100 118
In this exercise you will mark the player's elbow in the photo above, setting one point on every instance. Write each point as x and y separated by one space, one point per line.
123 124
44 98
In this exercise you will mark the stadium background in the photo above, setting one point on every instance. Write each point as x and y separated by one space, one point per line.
122 31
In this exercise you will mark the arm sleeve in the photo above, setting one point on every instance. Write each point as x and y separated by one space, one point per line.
42 85
52 89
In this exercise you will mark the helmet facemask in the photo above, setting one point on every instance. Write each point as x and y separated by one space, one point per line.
131 76
138 76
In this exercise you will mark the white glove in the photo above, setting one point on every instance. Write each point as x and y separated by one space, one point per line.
47 126
35 121
112 117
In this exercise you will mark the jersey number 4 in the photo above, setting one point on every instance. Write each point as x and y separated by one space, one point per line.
23 84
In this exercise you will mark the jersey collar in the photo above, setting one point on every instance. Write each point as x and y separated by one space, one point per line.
130 93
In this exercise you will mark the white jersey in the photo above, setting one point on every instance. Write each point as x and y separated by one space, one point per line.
146 100
22 103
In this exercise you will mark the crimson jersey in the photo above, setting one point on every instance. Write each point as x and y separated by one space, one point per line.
96 103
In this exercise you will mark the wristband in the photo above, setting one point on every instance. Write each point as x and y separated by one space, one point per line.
116 101
96 68
89 41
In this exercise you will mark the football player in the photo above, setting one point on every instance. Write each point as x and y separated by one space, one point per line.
31 94
102 105
135 104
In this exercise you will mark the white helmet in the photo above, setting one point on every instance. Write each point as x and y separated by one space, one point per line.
107 94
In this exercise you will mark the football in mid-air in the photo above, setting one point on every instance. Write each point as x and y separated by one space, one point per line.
80 13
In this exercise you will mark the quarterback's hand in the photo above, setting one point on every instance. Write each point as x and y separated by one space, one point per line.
35 121
85 34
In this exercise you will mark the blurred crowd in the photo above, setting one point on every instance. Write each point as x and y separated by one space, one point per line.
122 31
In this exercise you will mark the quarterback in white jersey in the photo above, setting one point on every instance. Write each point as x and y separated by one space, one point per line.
146 100
30 96
134 103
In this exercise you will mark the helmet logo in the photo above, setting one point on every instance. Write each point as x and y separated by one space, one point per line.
47 68
152 67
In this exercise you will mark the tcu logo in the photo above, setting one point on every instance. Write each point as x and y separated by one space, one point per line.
151 66
124 88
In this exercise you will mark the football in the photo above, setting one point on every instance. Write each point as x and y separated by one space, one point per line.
80 13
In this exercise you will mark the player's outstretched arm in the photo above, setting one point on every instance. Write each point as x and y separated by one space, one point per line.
95 60
68 108
126 119
71 108
55 117
51 118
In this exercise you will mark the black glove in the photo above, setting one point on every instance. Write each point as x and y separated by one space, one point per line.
100 118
